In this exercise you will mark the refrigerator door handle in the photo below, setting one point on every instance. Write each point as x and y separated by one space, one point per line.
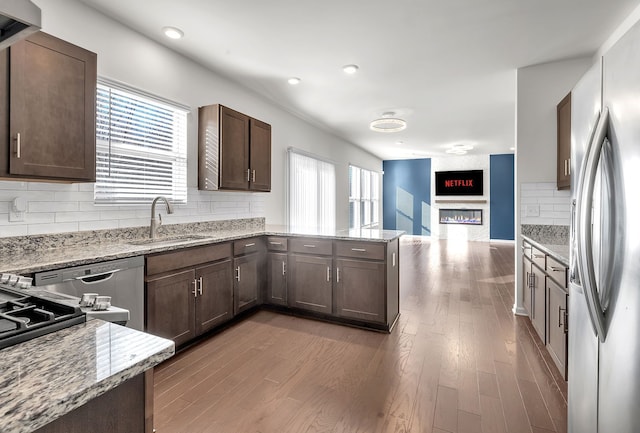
584 218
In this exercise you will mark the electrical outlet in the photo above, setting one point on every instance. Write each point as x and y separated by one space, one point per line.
17 209
532 210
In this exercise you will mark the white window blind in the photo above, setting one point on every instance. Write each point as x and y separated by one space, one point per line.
312 193
141 148
364 198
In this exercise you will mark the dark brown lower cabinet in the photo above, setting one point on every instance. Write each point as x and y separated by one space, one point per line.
557 335
360 290
310 283
214 303
277 279
122 409
171 306
539 302
246 288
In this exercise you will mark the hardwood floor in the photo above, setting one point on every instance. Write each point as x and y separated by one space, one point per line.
458 361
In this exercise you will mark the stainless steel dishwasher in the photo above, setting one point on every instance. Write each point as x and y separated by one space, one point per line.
122 279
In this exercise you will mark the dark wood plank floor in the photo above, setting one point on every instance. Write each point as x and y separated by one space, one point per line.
458 361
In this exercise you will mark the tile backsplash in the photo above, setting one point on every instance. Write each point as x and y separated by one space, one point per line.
59 208
541 203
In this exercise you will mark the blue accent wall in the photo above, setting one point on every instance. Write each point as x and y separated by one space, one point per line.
501 206
406 196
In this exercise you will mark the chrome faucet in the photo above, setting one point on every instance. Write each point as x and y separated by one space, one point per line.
157 223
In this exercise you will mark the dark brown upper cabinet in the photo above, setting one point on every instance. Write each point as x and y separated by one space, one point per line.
234 151
564 143
48 111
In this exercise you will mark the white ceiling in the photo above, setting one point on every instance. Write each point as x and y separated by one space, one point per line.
446 66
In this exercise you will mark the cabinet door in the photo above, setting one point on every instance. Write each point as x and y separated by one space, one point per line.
526 286
260 156
393 281
52 132
171 306
360 290
234 149
247 281
539 303
310 283
557 326
214 303
564 143
277 278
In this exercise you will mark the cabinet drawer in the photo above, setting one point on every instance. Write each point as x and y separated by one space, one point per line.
362 250
311 246
187 257
557 271
526 249
538 257
275 243
247 246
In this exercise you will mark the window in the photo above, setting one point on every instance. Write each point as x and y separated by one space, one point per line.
141 147
364 198
312 193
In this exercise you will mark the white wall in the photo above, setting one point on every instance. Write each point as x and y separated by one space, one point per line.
541 203
454 231
125 55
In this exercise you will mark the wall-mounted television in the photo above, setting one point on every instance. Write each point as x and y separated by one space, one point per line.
466 182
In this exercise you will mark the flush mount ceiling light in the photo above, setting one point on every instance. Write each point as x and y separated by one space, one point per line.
388 123
294 81
457 151
350 69
173 32
459 148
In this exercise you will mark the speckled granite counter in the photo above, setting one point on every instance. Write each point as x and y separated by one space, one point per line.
64 251
558 252
47 377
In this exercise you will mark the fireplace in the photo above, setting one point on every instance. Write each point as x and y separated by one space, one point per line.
461 216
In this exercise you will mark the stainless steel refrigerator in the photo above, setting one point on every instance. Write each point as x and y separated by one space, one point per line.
604 281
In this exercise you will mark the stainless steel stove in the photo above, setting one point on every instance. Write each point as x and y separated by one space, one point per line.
24 316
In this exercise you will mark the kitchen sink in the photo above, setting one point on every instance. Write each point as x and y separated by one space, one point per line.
167 240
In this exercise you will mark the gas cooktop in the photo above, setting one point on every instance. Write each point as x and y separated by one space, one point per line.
24 316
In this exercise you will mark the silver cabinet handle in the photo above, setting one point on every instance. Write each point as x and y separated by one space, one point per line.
284 268
566 173
309 246
538 256
18 145
328 274
556 269
393 260
250 245
569 166
248 174
253 175
238 273
275 243
200 286
337 275
361 250
195 290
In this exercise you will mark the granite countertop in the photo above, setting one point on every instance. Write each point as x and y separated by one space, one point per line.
45 257
45 378
559 252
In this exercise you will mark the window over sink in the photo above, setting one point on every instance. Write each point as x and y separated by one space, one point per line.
141 147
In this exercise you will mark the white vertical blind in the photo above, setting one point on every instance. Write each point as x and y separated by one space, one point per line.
312 193
141 148
364 198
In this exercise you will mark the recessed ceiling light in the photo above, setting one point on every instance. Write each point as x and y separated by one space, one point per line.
172 32
388 123
350 69
294 81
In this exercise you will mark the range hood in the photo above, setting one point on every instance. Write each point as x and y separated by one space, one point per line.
18 19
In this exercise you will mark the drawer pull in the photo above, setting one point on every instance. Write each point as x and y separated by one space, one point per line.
328 274
309 246
393 260
252 244
361 250
556 269
275 243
